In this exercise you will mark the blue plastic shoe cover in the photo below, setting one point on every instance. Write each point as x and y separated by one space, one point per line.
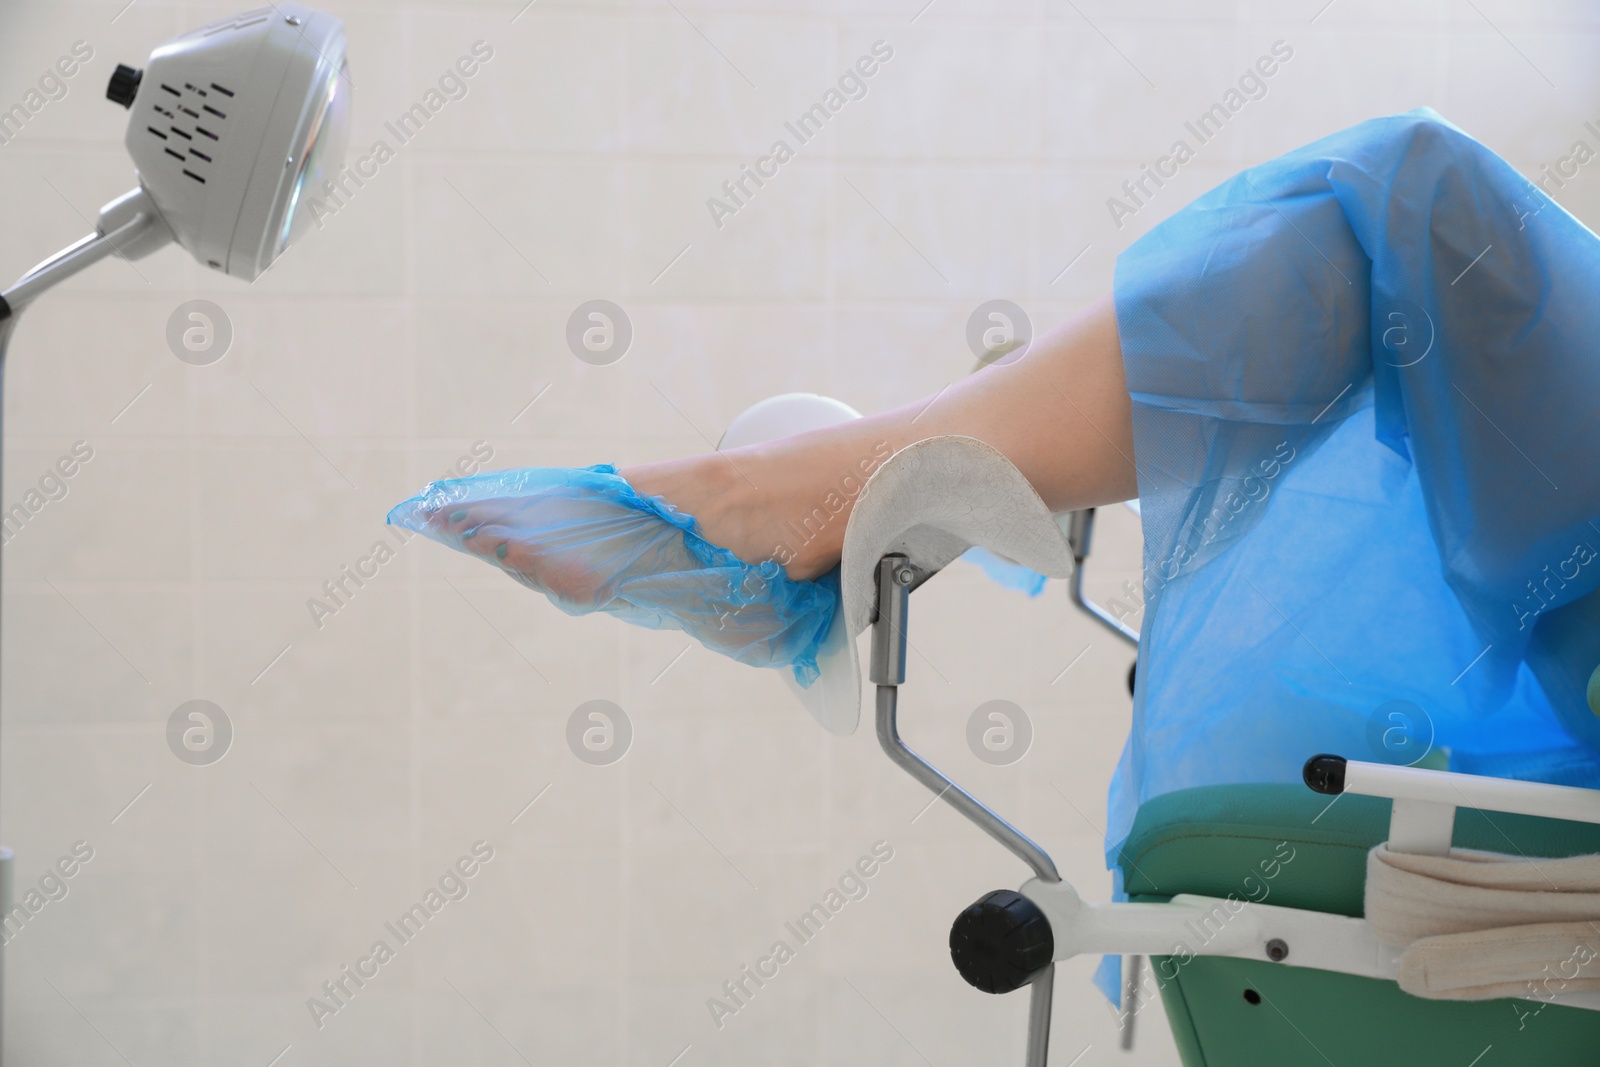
589 542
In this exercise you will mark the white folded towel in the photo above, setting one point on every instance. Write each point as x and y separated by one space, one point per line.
1479 925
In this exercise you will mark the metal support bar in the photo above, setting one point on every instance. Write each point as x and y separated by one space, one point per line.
1080 529
1130 999
8 326
895 575
979 814
887 671
1040 1002
1080 533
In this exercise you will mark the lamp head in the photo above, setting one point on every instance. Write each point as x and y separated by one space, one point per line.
231 128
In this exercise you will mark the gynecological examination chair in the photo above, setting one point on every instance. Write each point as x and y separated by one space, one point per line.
1250 901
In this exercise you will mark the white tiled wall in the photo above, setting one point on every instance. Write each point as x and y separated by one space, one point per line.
423 317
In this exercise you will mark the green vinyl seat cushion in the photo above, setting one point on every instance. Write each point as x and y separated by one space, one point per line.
1287 846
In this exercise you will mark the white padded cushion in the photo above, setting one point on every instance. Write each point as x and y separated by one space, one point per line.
930 501
784 416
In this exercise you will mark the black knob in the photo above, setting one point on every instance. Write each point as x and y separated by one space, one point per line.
1001 942
1325 774
124 85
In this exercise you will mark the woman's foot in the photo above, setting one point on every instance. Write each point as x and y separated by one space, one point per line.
586 538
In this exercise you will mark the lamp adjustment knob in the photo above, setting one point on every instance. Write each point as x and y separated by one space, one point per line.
1001 942
124 85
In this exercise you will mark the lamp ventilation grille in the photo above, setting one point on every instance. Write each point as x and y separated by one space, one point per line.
190 121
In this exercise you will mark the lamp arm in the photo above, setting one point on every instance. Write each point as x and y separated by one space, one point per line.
129 226
59 267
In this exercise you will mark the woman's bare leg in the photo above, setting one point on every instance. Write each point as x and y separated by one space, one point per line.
1061 414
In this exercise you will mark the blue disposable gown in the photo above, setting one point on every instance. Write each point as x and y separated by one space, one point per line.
1366 416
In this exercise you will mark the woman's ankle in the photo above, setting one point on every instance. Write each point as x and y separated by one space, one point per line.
751 502
796 511
706 487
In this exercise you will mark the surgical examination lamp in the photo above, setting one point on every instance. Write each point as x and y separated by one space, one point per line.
232 128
